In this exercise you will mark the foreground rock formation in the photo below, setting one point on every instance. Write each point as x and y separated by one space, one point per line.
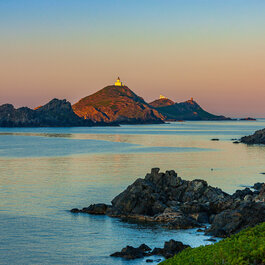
170 249
56 113
180 204
117 104
257 138
188 110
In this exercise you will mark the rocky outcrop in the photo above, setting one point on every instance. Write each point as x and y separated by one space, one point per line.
241 215
170 249
257 138
180 204
117 104
247 209
98 209
166 198
188 110
56 113
130 252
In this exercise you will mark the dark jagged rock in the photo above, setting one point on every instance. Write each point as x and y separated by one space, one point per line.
158 191
180 204
170 248
117 104
99 209
130 252
188 110
166 198
240 194
183 222
261 194
56 113
257 138
75 210
232 221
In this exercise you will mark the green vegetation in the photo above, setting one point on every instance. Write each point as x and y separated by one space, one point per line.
246 247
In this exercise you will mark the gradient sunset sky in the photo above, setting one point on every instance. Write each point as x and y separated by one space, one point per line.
211 50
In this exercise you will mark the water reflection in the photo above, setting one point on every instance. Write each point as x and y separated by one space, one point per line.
46 171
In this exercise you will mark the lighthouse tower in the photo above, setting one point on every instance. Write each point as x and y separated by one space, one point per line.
118 82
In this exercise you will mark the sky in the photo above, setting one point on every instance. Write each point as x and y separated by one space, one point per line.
213 51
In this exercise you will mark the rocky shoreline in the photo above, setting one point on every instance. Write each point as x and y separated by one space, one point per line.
180 204
257 138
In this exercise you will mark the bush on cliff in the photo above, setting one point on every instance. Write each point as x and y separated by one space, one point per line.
246 247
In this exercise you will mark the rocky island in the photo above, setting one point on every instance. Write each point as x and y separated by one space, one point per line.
56 113
188 110
117 103
113 105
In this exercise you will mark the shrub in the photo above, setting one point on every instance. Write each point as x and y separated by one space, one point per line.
246 247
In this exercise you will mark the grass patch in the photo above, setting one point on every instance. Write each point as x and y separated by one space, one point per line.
246 247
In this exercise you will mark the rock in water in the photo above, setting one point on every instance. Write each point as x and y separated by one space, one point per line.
99 208
257 138
171 248
158 192
166 198
130 252
181 204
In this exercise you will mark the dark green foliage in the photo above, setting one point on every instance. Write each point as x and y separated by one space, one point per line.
246 247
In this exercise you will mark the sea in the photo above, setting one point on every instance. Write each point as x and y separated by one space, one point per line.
45 172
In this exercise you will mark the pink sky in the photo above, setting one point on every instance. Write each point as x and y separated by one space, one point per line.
212 52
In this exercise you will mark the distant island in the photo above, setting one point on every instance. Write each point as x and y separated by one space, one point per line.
188 110
248 119
56 113
113 105
117 103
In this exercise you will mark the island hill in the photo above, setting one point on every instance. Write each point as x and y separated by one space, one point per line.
117 103
113 105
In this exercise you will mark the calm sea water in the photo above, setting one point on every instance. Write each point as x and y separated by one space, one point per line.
44 172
